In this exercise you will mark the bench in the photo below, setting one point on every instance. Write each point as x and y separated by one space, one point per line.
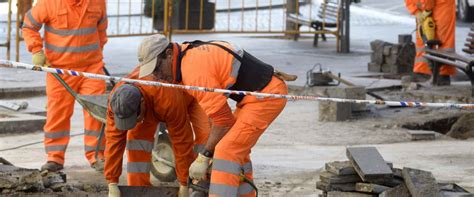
326 21
461 62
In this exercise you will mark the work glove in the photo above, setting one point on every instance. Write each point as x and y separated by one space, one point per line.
39 59
114 191
183 191
422 15
198 169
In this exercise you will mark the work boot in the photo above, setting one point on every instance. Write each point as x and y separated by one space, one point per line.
52 166
420 78
444 80
98 166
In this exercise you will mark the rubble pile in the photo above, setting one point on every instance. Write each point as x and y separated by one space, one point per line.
392 58
367 174
15 180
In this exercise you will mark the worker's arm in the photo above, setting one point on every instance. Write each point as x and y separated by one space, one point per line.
102 28
33 21
414 6
116 141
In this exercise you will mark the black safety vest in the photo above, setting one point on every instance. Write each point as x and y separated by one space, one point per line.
253 74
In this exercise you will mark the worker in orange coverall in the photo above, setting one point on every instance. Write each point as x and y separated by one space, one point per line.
444 16
138 109
74 36
226 66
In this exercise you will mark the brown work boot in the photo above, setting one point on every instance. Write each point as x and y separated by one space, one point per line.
98 166
420 78
52 166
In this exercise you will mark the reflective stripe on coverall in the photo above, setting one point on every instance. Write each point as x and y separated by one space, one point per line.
444 16
73 39
211 66
174 107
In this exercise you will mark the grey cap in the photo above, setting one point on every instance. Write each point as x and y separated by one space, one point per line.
125 103
148 52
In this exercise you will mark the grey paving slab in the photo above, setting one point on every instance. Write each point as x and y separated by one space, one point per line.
371 188
330 178
398 191
421 183
369 164
346 187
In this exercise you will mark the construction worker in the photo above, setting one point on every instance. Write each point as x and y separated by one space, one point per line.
443 12
226 66
74 36
138 109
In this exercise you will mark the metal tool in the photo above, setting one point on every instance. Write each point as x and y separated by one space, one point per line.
317 78
348 83
14 105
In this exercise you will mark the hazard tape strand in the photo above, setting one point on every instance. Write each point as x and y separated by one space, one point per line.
19 65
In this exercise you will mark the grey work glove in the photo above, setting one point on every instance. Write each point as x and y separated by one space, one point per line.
198 169
114 191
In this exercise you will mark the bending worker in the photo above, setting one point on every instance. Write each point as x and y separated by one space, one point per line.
226 66
443 13
74 36
138 109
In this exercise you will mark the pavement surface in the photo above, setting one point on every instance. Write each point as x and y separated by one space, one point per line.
292 152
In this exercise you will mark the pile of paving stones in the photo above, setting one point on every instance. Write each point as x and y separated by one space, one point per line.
367 174
15 181
392 58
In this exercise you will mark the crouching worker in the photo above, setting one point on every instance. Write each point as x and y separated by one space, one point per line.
225 66
132 117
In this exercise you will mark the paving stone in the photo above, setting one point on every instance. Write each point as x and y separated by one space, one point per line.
463 127
374 67
453 187
369 164
456 194
418 135
404 38
345 187
20 123
345 167
371 188
331 178
336 111
132 191
420 183
349 194
399 191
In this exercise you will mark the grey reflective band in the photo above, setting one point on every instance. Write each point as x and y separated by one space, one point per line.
55 148
72 49
235 62
33 21
247 167
245 188
138 167
198 148
92 148
70 32
223 190
29 27
102 20
447 49
421 60
56 135
142 145
92 133
420 50
226 166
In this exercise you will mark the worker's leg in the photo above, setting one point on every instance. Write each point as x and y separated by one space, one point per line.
444 15
232 152
200 124
421 65
245 189
139 148
91 125
60 106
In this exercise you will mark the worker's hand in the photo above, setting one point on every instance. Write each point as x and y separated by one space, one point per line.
39 59
198 169
422 15
183 191
114 191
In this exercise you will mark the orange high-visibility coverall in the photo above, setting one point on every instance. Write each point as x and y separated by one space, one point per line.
74 35
174 107
444 16
213 67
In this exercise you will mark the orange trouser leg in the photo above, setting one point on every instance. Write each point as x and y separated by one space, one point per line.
231 156
444 15
60 106
200 124
421 63
91 125
139 147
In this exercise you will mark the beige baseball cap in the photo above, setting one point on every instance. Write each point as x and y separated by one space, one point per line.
148 52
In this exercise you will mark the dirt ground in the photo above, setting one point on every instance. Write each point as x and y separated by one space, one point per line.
291 153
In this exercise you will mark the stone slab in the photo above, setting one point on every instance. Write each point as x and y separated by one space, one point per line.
132 191
20 123
456 194
345 187
374 67
421 183
349 194
344 167
331 178
369 164
370 188
399 191
336 111
453 187
418 135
